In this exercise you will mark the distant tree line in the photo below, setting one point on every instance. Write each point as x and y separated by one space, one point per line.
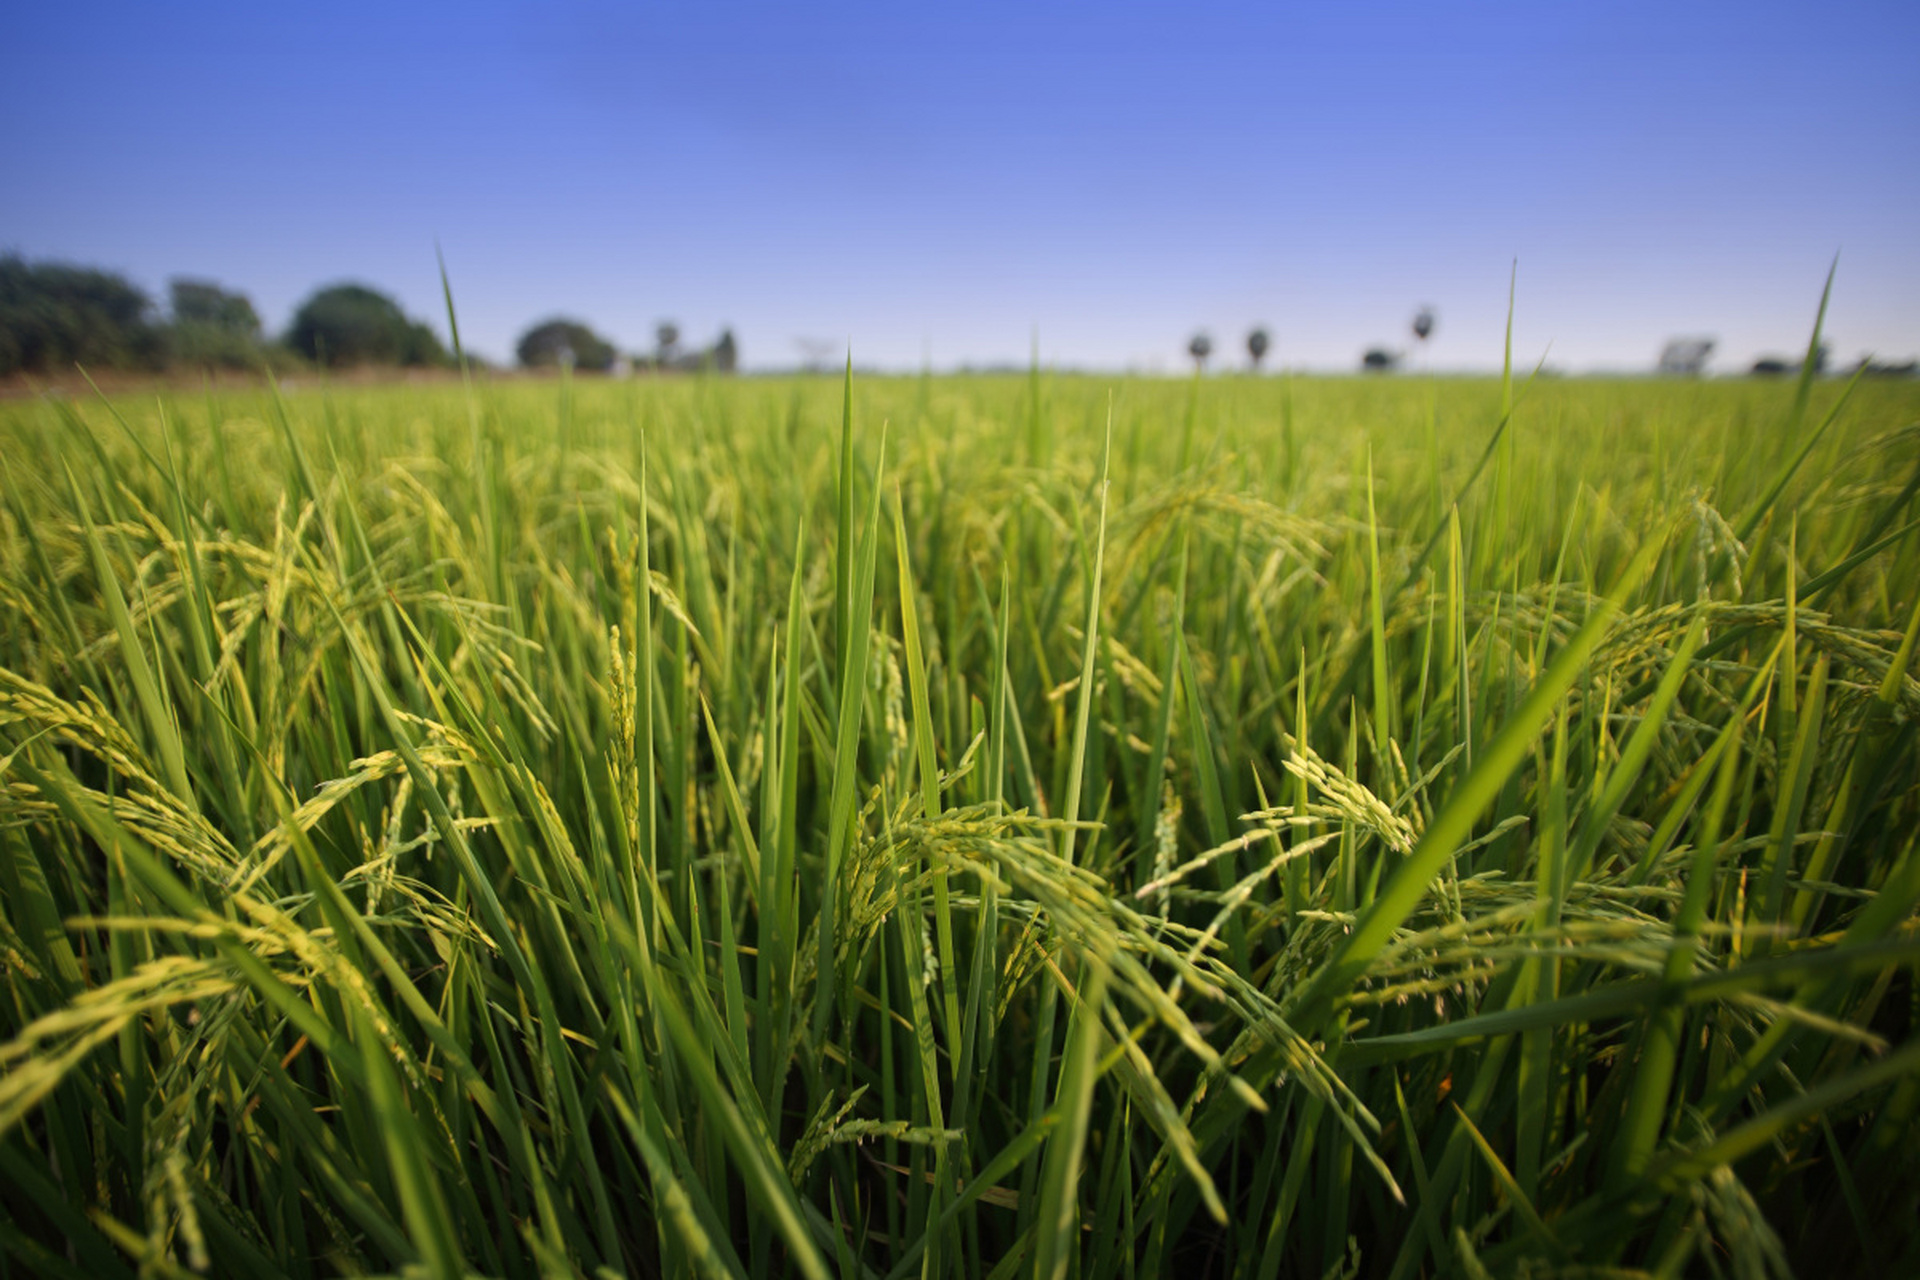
562 341
1260 341
54 316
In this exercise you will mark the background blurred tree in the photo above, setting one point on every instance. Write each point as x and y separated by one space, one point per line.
347 324
53 316
212 326
1685 357
204 302
725 356
1423 322
561 341
667 343
1200 347
1257 343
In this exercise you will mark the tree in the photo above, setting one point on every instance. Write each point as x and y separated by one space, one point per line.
725 356
53 316
1379 360
1257 344
667 338
1200 347
1423 321
347 324
204 302
212 325
1685 357
561 341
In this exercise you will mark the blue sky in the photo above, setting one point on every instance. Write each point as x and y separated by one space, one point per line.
946 182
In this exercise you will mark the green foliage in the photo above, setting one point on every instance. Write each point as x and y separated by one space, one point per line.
213 327
1437 830
200 302
53 316
351 324
560 341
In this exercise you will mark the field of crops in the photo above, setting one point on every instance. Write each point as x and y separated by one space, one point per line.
1030 826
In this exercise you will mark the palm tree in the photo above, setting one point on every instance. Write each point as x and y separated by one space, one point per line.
1257 344
1423 324
1200 348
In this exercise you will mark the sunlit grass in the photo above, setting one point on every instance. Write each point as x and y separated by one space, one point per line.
1030 826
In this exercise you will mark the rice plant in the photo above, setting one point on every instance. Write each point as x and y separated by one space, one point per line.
978 827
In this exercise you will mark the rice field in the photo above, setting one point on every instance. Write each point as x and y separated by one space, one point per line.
1047 826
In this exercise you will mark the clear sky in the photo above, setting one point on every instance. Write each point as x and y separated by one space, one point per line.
946 182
